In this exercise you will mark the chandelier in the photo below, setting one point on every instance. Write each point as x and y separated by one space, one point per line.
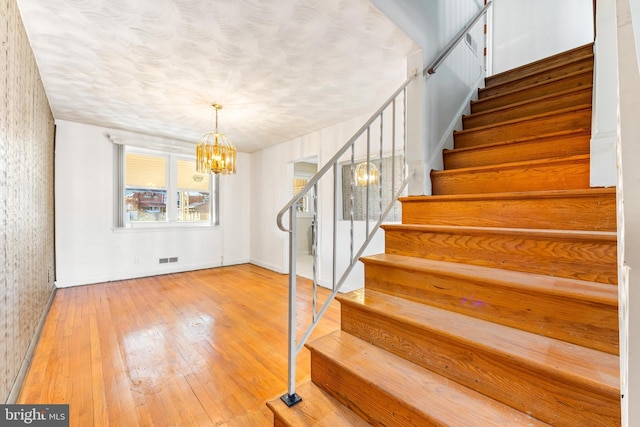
215 153
367 175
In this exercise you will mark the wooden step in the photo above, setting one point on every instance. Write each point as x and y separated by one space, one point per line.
317 408
590 210
559 383
386 389
540 65
559 144
571 119
545 104
566 173
583 255
560 84
583 63
575 311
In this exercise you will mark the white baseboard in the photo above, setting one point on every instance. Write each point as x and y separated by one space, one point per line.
125 275
268 266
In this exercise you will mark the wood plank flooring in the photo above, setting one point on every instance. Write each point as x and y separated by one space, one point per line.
202 348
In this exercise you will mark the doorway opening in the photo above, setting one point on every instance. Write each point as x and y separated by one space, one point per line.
303 171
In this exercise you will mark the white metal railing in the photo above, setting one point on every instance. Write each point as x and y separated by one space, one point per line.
387 146
312 187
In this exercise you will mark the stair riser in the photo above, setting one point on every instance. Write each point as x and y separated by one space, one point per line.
525 94
555 175
595 213
536 390
585 64
542 65
581 322
546 105
593 260
523 150
563 122
370 402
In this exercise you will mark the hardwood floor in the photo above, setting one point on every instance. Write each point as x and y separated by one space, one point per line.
202 348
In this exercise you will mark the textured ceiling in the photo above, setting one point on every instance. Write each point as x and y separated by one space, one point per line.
281 69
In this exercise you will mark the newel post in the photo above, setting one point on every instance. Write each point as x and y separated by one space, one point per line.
416 148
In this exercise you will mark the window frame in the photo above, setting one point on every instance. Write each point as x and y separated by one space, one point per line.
395 215
172 211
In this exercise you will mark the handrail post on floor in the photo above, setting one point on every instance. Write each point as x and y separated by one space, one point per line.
291 398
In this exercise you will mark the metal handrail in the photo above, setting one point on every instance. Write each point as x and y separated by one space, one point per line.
446 51
291 398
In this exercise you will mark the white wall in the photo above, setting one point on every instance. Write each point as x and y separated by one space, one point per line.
447 93
628 28
271 180
272 173
525 31
89 250
605 90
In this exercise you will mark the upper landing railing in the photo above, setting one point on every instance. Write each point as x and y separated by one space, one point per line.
361 200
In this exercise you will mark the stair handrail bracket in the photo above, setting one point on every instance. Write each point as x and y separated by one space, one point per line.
390 151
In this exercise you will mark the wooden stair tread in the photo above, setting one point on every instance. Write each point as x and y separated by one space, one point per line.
541 65
591 369
584 209
585 62
550 135
545 99
570 119
575 254
436 399
558 173
529 282
511 196
583 78
606 236
508 92
531 118
317 408
514 165
575 311
554 145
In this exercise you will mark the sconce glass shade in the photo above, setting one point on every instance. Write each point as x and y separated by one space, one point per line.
365 175
215 153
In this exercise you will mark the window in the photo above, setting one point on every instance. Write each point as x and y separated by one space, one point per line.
145 194
163 188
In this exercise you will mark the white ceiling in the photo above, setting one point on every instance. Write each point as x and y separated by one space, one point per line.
281 69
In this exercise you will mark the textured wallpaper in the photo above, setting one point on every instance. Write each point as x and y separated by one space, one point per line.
26 196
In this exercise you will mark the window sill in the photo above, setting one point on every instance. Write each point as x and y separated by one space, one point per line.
167 226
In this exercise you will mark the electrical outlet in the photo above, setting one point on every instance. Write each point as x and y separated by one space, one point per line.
136 260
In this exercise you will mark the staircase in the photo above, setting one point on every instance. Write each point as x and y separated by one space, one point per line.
495 302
